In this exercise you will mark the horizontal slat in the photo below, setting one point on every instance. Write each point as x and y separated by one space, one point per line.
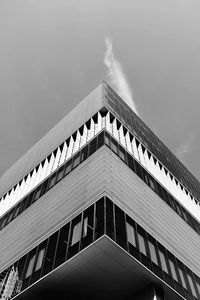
102 172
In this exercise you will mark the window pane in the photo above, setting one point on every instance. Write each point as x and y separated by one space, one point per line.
113 145
163 261
101 139
191 285
153 253
30 265
76 233
49 257
10 216
76 160
198 286
68 167
60 173
37 194
152 183
142 244
130 162
99 219
122 153
130 234
182 278
85 225
93 146
40 259
62 245
84 153
17 210
138 169
107 139
172 267
52 181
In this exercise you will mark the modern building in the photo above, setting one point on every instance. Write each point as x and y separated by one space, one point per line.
98 209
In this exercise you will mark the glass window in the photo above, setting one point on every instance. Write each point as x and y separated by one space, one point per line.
68 167
182 277
191 285
76 233
85 226
52 180
173 271
142 246
88 222
60 173
114 145
101 139
76 160
152 183
120 227
62 245
198 285
17 210
152 250
37 193
31 261
84 153
163 261
29 200
4 221
159 190
138 169
130 162
130 234
185 216
93 146
40 258
50 253
107 139
122 154
10 218
99 218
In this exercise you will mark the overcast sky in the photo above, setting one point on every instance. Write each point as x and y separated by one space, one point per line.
52 56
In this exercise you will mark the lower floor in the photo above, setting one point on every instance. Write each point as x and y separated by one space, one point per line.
103 270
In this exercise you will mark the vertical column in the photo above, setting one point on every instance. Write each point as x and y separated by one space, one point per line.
70 148
115 130
128 142
84 136
134 147
63 154
57 158
122 137
98 125
77 142
108 123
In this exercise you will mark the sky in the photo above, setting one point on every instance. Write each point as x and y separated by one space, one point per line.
53 54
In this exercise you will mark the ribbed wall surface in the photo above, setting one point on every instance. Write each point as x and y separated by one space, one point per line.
101 172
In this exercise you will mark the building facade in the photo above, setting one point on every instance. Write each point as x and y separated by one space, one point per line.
99 208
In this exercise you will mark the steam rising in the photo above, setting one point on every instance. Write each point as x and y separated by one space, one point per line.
117 76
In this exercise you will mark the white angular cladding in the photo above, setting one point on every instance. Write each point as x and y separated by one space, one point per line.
102 173
67 126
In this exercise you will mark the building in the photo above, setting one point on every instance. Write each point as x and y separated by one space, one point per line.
99 208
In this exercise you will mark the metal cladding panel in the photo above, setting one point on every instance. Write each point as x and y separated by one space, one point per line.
151 141
102 173
67 126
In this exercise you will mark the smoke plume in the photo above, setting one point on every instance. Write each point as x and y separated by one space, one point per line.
117 76
186 147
